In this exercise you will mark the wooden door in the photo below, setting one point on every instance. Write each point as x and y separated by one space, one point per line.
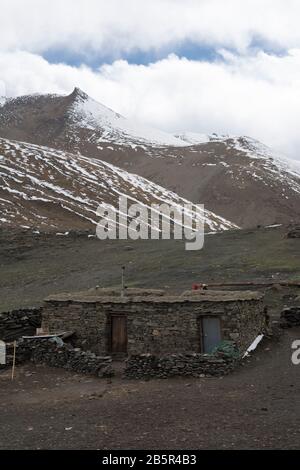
118 334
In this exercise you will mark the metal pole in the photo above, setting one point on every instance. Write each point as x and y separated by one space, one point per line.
123 282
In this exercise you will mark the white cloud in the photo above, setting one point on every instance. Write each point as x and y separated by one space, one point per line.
243 93
116 26
257 96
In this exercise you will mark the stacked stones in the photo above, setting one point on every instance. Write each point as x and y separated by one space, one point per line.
55 353
290 317
19 323
294 232
187 364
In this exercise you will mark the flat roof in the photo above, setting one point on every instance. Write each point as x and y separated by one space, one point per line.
92 296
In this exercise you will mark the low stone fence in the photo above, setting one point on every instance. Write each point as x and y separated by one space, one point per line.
290 317
188 364
19 323
55 353
294 232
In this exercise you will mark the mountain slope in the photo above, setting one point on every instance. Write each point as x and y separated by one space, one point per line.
236 177
49 189
54 116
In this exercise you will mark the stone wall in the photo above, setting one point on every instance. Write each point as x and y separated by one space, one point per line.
160 327
188 365
244 322
19 323
176 327
88 321
55 353
163 329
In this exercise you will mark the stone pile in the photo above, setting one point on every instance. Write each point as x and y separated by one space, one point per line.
21 356
19 323
294 232
290 317
55 353
187 364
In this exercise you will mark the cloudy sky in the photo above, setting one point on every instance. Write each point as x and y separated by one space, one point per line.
229 66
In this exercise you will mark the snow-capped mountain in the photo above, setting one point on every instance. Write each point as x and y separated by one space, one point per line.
47 189
75 114
86 113
193 138
234 176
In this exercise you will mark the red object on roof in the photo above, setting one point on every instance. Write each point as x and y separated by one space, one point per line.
199 286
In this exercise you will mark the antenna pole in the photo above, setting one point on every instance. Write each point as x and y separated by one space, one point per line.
123 282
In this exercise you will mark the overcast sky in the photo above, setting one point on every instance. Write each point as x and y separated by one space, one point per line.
229 66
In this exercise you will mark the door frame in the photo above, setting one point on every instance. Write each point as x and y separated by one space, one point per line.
116 314
201 329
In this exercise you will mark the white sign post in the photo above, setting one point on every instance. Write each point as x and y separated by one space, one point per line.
2 353
14 361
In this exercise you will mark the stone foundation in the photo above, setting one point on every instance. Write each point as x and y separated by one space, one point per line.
145 366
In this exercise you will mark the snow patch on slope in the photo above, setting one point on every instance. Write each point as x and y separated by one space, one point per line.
115 128
270 167
255 149
40 185
193 138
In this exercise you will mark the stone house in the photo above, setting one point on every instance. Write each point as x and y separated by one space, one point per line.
149 321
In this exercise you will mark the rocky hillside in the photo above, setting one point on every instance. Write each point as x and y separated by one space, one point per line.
48 189
236 177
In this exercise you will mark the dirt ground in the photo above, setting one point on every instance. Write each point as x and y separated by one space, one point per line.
256 407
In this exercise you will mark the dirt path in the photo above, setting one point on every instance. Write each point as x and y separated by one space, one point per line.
256 407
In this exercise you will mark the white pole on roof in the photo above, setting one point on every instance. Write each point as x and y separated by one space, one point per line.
123 282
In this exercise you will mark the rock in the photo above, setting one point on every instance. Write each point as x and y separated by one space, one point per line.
290 317
294 232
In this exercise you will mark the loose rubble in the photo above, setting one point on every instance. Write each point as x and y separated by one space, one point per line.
290 317
294 232
19 323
